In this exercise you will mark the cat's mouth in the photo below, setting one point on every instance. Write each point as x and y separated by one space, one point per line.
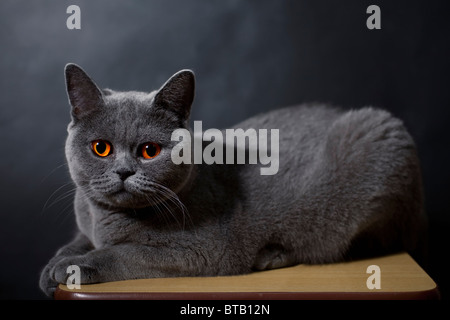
128 197
131 195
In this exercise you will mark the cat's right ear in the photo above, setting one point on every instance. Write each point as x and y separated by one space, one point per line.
84 95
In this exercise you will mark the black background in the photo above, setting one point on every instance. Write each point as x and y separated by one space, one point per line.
249 56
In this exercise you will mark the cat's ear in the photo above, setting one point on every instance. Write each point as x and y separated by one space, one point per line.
84 95
177 94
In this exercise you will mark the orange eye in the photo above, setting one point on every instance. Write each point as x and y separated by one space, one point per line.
150 150
101 148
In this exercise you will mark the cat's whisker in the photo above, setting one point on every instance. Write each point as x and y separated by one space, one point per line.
66 212
167 195
63 196
159 211
53 171
161 202
172 197
51 201
175 200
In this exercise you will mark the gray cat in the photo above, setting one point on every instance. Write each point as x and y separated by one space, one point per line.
348 184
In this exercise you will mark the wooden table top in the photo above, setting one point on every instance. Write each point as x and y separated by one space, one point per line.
400 277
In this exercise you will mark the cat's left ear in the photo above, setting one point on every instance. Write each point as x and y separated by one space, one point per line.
84 95
177 94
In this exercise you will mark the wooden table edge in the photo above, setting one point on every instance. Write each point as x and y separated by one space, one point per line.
431 294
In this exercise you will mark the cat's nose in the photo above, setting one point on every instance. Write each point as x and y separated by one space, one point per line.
125 173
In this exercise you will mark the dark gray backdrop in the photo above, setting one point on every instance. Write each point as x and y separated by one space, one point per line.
249 56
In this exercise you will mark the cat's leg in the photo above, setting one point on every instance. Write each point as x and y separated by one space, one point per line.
135 261
80 245
273 256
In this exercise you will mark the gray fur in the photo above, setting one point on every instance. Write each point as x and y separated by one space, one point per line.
348 182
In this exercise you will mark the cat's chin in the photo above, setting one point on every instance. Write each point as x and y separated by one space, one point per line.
123 199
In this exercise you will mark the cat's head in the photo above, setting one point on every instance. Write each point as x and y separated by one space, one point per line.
119 143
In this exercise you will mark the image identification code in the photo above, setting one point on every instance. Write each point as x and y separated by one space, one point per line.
227 309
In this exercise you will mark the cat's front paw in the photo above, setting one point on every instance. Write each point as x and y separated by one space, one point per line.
46 282
88 271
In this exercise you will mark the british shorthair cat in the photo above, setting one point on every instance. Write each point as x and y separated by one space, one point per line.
348 182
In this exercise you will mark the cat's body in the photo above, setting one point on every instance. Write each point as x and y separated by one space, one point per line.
346 181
